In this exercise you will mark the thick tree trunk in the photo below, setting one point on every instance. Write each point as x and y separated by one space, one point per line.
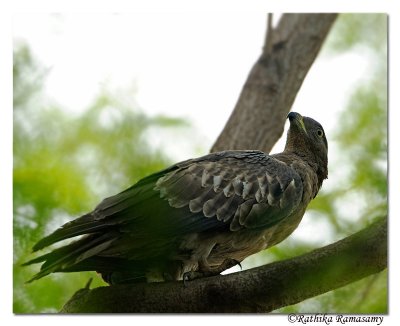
261 289
289 51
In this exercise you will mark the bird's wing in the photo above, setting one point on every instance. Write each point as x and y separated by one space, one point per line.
246 189
235 189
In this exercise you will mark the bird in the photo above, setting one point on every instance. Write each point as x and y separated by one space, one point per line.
196 218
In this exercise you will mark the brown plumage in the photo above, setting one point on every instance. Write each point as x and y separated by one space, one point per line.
197 217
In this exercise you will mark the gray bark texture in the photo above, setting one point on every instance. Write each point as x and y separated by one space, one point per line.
257 123
258 290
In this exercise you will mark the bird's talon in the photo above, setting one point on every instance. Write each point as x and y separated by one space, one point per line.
186 278
89 282
190 276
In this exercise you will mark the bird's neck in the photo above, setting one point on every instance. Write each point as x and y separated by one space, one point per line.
318 165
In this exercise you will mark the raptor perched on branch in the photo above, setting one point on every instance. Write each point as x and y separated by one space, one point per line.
198 217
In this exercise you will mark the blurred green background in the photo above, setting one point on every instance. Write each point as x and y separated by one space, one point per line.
64 164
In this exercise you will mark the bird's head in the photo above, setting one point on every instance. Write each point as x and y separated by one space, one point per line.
307 139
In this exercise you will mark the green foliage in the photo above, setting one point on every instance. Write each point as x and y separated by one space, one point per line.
64 165
359 30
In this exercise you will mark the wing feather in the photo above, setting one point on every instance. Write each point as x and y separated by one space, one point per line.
248 189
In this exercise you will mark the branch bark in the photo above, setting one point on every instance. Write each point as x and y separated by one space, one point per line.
261 289
258 119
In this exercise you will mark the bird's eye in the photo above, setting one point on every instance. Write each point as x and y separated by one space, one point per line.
320 133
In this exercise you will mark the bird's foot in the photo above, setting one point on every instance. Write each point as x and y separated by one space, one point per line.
89 282
190 276
228 263
206 272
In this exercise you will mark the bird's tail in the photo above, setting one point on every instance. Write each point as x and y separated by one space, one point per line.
85 224
73 257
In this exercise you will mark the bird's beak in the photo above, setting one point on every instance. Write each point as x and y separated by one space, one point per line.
297 118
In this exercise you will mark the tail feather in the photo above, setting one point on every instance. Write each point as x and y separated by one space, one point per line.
86 224
108 222
60 260
106 215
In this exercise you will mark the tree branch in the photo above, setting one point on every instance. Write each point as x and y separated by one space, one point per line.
260 289
290 49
